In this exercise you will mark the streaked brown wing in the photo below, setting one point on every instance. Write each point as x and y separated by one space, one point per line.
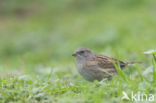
107 62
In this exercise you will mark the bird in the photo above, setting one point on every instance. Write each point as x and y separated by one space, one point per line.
92 66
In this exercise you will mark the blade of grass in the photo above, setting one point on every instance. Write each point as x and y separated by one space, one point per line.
120 72
139 72
154 72
106 72
154 57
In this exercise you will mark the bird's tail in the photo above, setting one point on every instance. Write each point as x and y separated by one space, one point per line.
130 63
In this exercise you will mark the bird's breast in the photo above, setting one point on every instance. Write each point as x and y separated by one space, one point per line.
85 71
80 67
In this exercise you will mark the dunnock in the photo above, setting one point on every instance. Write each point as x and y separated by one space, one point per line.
93 66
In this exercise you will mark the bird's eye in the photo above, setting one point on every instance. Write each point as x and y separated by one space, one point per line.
81 52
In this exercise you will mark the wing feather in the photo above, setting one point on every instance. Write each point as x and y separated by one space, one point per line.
107 62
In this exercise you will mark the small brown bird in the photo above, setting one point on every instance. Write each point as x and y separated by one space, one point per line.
95 66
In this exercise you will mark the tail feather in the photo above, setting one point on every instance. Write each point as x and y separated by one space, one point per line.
130 63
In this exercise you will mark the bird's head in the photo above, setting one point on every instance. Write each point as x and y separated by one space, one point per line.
83 54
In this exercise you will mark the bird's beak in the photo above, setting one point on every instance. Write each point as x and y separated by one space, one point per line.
74 54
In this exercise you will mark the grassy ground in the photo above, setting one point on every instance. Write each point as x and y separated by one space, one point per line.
37 39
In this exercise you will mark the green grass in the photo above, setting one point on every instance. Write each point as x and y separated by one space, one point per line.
37 39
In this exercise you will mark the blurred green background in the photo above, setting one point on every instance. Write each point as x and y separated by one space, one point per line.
40 31
39 36
48 31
